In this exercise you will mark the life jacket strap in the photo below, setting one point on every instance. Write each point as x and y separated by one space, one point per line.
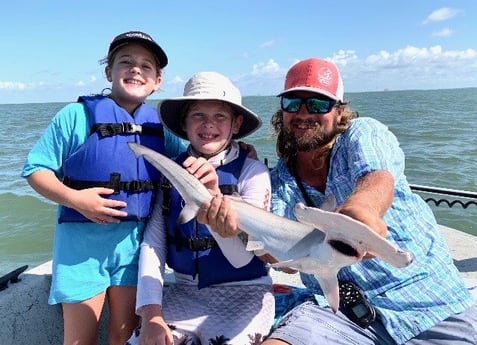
110 129
135 186
194 244
166 187
228 189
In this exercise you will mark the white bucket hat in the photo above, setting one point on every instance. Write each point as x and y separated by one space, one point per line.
207 86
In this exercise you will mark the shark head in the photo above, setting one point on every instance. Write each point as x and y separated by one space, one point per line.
351 237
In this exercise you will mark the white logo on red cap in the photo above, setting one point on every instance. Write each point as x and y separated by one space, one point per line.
325 76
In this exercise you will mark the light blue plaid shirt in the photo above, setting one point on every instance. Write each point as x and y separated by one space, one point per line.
410 300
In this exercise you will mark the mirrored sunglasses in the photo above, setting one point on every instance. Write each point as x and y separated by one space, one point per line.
314 105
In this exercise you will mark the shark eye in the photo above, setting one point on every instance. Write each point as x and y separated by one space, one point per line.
343 248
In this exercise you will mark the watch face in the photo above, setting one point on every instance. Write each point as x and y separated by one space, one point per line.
360 310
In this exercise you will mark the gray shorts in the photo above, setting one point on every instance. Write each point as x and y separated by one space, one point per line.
309 324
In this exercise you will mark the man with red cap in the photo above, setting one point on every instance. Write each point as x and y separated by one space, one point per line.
329 156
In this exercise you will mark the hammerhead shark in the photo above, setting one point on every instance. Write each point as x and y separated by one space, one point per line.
319 243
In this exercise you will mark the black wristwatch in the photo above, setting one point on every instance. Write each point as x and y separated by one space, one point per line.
354 304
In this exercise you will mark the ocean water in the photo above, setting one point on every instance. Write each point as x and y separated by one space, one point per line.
437 131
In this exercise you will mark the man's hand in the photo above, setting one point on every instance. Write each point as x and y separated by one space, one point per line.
372 197
365 214
252 152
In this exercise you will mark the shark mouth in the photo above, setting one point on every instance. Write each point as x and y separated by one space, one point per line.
344 248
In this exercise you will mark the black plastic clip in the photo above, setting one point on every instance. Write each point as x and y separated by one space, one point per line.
11 277
114 182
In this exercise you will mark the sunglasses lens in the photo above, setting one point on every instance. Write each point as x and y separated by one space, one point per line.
313 105
318 106
290 105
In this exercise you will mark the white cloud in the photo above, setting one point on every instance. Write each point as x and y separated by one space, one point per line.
442 14
91 81
176 80
171 88
264 79
9 85
267 44
343 57
412 68
446 32
265 68
414 55
407 68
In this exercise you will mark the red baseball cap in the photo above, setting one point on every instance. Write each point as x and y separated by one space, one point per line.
315 75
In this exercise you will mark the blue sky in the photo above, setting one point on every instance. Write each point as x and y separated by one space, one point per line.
50 49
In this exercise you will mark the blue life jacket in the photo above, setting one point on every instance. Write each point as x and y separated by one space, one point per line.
105 159
192 250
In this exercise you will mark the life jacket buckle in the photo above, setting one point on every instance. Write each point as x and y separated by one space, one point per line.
131 128
115 182
200 243
138 186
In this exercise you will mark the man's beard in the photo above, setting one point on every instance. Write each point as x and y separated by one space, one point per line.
306 143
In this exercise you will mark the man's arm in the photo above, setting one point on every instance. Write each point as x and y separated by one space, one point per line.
371 198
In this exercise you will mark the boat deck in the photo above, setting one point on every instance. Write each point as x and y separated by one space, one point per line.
463 248
28 319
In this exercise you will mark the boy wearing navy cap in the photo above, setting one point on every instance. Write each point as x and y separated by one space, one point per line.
104 193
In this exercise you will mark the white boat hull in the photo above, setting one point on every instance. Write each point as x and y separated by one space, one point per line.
28 319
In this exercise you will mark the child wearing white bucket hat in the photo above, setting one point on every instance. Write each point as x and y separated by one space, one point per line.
221 291
207 86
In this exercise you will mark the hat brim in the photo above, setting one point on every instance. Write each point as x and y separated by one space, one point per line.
309 89
170 109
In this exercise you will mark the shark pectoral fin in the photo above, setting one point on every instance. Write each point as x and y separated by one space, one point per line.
188 213
253 245
305 215
295 264
397 257
405 259
280 264
324 220
329 285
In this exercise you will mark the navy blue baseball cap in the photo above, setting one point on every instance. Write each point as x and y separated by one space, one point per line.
141 38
